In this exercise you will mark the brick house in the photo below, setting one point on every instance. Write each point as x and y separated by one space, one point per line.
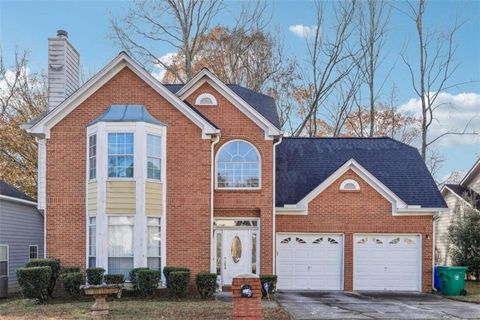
136 173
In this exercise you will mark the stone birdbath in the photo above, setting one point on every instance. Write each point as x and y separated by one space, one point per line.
101 292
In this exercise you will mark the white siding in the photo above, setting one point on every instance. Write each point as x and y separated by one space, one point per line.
474 183
442 222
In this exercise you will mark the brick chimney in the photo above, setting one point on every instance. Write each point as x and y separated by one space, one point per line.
63 69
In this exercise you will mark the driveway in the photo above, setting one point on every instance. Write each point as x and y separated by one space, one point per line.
342 305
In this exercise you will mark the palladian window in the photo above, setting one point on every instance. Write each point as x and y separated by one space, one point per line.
238 166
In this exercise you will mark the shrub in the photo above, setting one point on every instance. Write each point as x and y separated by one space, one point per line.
71 282
178 283
114 278
54 265
69 270
272 283
95 276
206 284
34 282
147 281
168 270
133 276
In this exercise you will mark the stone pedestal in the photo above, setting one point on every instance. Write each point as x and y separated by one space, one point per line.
100 293
247 308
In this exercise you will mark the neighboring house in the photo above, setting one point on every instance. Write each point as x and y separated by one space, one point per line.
21 232
467 192
135 173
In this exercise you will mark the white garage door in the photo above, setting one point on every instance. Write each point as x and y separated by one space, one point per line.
387 262
310 261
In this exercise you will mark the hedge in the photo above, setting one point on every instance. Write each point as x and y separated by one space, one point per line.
272 283
147 281
95 276
133 276
206 284
178 283
114 278
168 270
34 282
71 282
54 265
69 270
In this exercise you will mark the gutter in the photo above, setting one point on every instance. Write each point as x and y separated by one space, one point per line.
274 238
214 140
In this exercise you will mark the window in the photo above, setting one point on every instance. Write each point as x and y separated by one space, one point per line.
349 185
120 245
3 259
153 156
219 253
92 157
92 242
120 155
254 253
206 99
154 241
33 249
238 166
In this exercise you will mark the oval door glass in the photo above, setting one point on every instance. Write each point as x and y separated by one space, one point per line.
236 249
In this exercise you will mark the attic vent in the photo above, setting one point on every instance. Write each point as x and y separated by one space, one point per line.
206 99
349 185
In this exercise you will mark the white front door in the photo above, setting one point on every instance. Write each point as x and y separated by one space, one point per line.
237 254
387 262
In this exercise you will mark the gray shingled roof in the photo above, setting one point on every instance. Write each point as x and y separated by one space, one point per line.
8 190
126 113
304 163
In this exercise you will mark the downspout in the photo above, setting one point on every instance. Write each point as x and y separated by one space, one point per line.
434 235
214 140
274 246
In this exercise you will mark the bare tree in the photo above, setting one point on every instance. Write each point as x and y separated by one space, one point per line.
22 97
436 65
178 23
373 19
330 61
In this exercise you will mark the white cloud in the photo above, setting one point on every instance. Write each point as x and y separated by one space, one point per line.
303 31
453 114
160 71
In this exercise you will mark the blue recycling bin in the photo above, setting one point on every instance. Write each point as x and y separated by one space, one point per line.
437 280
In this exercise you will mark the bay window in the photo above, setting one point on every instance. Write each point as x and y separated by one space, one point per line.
92 157
120 245
92 242
120 155
153 156
153 244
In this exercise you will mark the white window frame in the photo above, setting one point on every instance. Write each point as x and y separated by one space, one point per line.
89 156
89 244
161 238
30 252
259 167
108 239
349 181
133 154
8 258
198 100
160 158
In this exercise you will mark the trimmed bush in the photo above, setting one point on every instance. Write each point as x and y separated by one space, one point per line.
147 281
69 270
71 282
34 282
168 270
206 284
54 265
178 283
272 283
133 276
95 276
114 278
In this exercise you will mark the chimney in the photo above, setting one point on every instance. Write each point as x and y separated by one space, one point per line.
63 69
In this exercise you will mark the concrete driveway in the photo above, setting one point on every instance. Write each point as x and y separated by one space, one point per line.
341 305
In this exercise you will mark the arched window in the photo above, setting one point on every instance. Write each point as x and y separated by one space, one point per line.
238 166
349 185
206 99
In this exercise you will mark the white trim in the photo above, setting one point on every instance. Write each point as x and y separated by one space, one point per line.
198 100
108 72
274 167
420 254
259 168
8 258
217 84
446 188
349 181
15 199
213 253
470 172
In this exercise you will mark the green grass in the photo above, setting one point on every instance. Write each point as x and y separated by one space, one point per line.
127 308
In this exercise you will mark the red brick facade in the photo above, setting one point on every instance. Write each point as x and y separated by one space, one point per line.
366 211
247 308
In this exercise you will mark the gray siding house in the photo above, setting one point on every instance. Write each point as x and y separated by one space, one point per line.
21 232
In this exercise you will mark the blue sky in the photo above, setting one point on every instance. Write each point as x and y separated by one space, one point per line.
28 24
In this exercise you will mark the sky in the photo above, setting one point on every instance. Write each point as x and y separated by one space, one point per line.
28 24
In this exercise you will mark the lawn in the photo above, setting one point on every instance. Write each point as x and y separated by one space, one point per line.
127 308
473 292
